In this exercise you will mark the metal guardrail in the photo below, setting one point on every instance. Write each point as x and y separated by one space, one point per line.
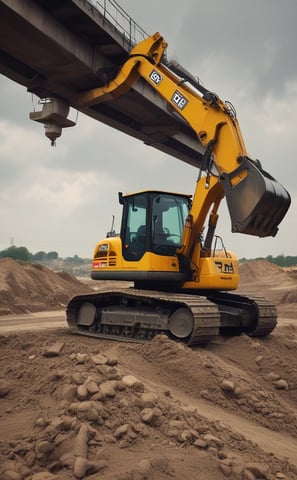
120 19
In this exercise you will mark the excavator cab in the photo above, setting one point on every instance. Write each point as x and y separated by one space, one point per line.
152 221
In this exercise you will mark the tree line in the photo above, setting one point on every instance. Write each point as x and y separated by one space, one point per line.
23 254
279 260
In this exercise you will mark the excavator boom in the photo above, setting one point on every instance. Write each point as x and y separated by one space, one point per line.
257 203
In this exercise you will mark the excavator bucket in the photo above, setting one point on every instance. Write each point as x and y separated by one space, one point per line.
258 203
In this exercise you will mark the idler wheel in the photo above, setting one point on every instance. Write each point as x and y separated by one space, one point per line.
86 314
181 323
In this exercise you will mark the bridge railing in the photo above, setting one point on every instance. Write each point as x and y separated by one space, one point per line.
120 19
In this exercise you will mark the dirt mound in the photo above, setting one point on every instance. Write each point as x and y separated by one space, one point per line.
73 407
259 269
78 408
248 390
290 297
264 278
26 287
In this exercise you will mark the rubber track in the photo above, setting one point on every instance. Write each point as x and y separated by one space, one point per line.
205 313
207 318
265 313
267 316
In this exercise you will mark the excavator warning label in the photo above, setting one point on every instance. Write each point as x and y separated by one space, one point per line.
179 100
156 77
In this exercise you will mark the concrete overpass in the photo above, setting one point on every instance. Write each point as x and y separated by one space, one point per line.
55 49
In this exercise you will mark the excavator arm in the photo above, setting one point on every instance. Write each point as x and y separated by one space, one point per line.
257 202
205 113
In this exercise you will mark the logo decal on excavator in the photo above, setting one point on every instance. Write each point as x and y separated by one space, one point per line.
225 267
156 77
179 100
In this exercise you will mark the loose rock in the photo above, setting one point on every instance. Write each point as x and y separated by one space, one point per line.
54 350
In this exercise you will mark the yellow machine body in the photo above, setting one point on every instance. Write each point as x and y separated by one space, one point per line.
219 272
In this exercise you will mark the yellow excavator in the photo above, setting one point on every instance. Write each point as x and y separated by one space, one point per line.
181 271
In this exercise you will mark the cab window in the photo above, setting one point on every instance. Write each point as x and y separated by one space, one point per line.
134 235
169 213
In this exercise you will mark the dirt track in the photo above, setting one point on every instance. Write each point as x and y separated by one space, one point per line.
32 321
75 407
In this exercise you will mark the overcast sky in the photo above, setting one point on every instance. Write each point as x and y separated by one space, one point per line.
63 198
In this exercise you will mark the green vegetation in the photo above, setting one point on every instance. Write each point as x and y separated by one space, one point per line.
280 260
17 253
23 254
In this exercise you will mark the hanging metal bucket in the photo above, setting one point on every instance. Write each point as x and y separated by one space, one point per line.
258 203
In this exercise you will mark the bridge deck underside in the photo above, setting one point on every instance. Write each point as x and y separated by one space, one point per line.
56 49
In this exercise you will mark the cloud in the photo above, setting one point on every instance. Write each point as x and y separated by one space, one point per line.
256 36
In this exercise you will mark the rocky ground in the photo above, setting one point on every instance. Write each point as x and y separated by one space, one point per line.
74 407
